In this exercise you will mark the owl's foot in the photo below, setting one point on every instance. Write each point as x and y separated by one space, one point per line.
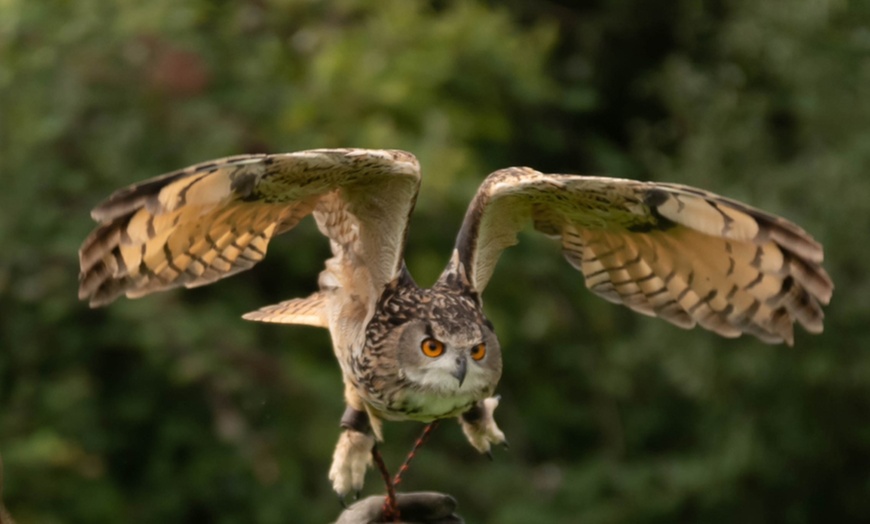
479 426
353 453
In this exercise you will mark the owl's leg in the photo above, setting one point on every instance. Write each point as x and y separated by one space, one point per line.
353 453
479 425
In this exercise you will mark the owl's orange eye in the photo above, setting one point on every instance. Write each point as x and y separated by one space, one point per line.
432 348
478 351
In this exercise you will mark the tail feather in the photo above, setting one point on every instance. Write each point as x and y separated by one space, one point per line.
308 311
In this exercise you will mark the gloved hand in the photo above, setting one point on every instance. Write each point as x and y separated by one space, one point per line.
422 507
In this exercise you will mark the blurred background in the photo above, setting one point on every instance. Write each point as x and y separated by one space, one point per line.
173 409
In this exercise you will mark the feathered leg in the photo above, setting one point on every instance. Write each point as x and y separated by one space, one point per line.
353 453
479 426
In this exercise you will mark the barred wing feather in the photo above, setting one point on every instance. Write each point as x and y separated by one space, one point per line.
212 220
679 253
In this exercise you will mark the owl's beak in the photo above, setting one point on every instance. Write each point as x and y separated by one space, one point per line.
461 369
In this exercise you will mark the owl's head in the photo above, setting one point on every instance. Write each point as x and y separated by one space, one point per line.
448 347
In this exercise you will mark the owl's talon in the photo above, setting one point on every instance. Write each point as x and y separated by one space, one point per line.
479 426
349 462
489 455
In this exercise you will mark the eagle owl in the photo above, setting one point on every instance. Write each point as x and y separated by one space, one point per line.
407 353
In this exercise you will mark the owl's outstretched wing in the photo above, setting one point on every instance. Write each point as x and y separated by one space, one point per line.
666 250
214 219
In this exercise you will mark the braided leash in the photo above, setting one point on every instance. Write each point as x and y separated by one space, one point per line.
427 431
391 504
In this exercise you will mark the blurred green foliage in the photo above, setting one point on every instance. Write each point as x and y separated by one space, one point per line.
172 409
